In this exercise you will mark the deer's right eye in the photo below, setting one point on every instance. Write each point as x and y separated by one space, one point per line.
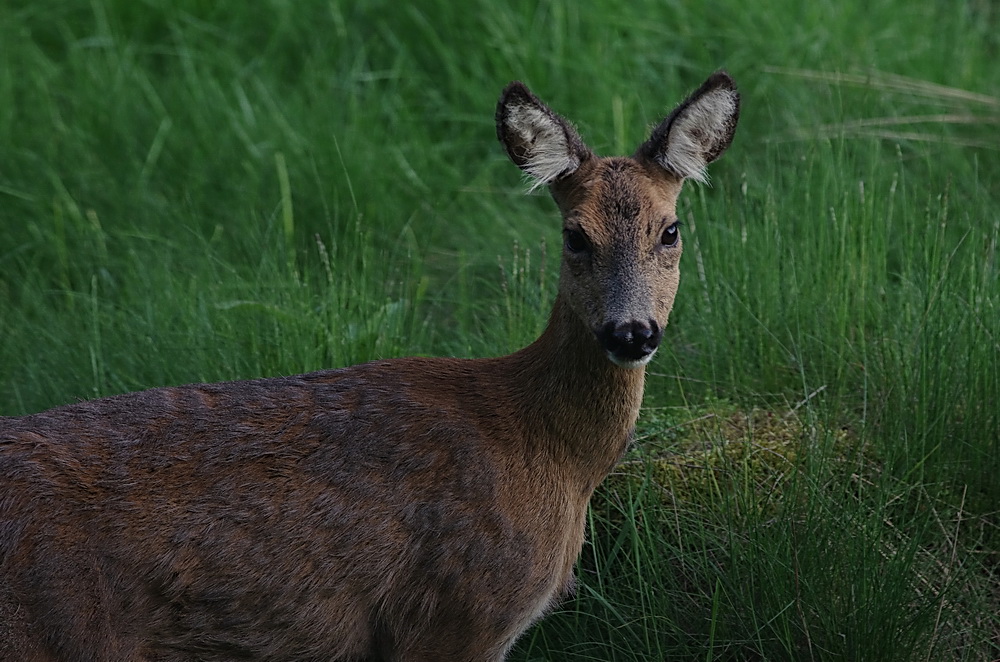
576 241
670 234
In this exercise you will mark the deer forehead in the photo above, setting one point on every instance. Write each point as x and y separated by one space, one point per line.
619 198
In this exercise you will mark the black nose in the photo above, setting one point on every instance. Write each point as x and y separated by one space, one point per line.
631 341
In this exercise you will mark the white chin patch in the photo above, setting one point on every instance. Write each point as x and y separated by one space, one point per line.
631 364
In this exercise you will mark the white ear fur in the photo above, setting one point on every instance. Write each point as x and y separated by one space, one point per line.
707 121
549 154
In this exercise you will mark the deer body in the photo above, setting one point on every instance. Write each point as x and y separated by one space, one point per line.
401 510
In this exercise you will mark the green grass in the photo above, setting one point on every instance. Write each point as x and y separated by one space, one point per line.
196 191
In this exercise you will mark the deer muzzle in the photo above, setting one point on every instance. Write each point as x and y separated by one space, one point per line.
630 344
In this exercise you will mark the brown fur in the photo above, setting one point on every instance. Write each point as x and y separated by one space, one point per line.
401 510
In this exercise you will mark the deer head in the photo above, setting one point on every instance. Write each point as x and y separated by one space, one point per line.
622 240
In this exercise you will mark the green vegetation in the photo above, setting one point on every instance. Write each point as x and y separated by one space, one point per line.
196 191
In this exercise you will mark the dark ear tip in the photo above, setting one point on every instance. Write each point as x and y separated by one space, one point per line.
721 78
514 85
515 91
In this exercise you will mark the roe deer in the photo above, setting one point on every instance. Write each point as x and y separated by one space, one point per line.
400 510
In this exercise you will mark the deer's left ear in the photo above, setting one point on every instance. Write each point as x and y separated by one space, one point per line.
540 142
698 131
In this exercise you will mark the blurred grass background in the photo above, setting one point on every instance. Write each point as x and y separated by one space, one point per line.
196 191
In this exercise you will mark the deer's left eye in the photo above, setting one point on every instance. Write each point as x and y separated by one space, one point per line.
671 234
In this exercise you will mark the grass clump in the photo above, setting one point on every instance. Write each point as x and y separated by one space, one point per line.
724 449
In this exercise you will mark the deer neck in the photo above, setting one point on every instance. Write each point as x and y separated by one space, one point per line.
577 403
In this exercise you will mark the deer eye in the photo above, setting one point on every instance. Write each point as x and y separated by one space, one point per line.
671 234
576 241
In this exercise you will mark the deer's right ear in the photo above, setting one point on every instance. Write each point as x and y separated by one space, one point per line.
541 143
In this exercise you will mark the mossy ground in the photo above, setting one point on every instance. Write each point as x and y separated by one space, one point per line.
721 447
